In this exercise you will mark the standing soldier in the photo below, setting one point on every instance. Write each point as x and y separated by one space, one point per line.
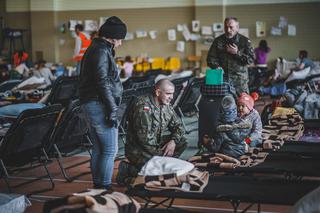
233 52
152 116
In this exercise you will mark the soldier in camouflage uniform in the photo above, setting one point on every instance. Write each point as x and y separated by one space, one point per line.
233 52
154 128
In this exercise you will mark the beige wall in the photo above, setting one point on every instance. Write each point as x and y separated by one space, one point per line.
304 15
16 20
160 19
58 47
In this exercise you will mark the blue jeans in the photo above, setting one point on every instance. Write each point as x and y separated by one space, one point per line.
105 143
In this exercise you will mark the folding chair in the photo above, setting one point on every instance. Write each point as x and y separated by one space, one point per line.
64 90
189 101
179 87
71 133
138 82
24 141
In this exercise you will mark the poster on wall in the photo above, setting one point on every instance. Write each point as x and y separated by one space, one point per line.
244 31
102 20
283 22
195 26
153 34
90 25
216 27
171 34
129 36
261 28
276 31
73 23
292 31
206 30
179 27
186 33
195 37
207 40
141 33
181 46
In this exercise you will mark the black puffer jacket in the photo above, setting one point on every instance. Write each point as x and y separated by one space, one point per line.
99 77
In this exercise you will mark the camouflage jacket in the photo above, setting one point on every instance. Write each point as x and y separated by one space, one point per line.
147 124
233 65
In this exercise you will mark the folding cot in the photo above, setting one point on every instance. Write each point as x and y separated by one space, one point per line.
235 189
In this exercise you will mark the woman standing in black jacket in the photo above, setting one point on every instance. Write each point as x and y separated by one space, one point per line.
100 96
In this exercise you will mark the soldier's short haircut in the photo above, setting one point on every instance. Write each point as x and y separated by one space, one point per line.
231 18
163 83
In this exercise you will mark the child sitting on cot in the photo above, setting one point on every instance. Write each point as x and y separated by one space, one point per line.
231 130
248 113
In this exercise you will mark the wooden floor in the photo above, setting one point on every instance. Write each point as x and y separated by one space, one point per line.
83 181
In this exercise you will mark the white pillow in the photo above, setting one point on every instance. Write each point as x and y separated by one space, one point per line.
295 75
159 165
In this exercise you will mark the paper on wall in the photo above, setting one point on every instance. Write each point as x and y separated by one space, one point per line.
217 27
244 31
207 40
180 46
172 35
90 25
102 20
292 31
261 28
129 36
179 27
276 31
283 22
195 26
194 37
141 33
153 34
73 23
186 33
206 30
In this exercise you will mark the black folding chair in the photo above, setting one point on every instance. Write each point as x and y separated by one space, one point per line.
71 134
138 82
189 101
179 85
64 90
24 141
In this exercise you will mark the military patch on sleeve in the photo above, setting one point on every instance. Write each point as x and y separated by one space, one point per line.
146 108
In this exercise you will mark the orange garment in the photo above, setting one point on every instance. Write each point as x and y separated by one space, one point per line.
85 43
18 60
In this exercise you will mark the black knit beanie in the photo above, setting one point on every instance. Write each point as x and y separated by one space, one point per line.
113 28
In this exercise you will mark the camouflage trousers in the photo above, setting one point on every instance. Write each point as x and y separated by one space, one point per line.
240 82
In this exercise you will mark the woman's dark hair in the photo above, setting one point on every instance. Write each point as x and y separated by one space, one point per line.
127 58
303 53
263 45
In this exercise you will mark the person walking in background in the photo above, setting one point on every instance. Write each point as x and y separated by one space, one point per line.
82 42
100 93
233 52
261 53
128 66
